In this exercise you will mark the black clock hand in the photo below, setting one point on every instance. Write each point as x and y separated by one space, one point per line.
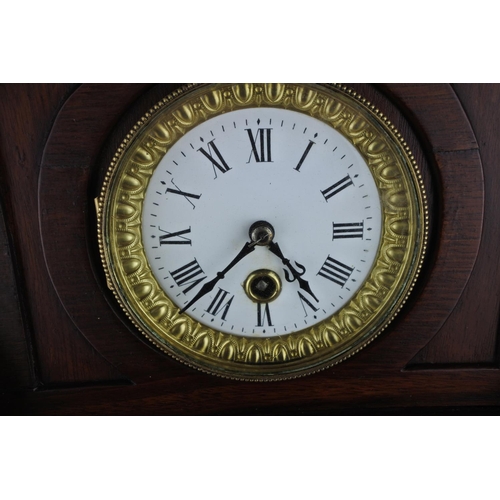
249 247
276 250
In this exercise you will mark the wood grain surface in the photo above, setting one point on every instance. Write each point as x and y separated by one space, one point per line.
66 348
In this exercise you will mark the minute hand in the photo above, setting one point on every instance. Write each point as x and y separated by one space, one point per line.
276 250
249 247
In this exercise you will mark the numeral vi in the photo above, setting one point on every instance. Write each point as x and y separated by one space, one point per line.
263 314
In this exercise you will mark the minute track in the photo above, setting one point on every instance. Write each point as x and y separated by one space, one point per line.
294 200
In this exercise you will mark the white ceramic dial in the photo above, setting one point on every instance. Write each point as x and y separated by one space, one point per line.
293 171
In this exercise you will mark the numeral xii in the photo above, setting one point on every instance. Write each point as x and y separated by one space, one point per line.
261 144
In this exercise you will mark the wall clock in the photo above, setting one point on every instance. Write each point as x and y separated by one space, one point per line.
262 231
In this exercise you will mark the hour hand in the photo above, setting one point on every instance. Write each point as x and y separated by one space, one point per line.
249 247
276 250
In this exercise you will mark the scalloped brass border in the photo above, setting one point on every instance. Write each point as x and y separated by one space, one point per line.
392 278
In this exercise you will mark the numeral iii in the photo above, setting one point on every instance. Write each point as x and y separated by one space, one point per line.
347 230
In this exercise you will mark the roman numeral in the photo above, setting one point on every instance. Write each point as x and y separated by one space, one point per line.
335 271
263 314
222 166
217 305
337 187
187 275
304 155
348 230
171 238
261 145
183 193
304 301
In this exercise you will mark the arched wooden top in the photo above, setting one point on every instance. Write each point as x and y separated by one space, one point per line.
90 126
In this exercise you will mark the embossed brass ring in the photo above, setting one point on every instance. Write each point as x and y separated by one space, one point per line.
157 259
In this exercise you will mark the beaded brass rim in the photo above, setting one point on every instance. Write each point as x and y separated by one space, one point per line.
371 309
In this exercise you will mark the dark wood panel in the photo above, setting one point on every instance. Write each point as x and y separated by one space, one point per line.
440 123
15 363
327 392
437 119
69 180
27 113
471 332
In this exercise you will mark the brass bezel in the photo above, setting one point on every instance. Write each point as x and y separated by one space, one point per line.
371 309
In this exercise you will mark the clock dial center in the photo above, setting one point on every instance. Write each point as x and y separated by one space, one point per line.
261 233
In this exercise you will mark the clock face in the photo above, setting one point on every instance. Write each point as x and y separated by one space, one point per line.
262 231
290 170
